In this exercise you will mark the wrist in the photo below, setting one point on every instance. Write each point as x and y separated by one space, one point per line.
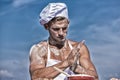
66 63
80 70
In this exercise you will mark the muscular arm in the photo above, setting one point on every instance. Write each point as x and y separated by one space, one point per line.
38 67
48 72
85 64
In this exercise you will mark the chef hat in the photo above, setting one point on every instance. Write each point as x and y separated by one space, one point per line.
53 10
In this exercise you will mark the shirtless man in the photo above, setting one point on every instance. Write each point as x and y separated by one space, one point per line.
58 51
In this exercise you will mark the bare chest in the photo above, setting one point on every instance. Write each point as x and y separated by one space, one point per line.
60 54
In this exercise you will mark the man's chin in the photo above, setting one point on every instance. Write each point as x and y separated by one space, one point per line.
61 41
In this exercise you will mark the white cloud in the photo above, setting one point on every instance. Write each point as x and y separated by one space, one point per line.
104 44
17 3
5 73
106 32
10 68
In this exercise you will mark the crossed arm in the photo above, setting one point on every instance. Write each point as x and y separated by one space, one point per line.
85 64
38 67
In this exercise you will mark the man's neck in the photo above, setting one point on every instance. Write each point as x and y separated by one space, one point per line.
57 44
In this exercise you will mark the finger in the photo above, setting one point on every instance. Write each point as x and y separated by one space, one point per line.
80 44
75 51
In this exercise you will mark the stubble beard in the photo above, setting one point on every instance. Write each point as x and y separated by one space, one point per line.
57 42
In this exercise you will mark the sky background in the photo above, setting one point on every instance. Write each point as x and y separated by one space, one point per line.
96 21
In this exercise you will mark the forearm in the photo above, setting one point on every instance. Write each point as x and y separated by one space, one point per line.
82 70
42 79
49 72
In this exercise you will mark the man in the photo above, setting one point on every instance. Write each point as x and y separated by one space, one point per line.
67 55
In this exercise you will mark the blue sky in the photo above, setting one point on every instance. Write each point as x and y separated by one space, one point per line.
96 21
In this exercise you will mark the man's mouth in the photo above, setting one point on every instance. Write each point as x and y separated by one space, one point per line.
61 38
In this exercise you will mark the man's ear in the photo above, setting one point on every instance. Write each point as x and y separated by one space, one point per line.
46 26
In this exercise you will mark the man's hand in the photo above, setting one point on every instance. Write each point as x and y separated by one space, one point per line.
74 53
72 56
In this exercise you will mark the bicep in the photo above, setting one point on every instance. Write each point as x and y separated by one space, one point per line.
85 60
36 60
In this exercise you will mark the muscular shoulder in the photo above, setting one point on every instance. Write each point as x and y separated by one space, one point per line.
39 49
75 43
82 46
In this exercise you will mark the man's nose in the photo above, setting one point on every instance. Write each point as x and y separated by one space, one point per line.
61 32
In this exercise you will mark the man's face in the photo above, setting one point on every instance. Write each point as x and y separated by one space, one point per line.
58 30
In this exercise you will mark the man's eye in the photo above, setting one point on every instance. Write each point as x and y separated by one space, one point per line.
64 28
56 29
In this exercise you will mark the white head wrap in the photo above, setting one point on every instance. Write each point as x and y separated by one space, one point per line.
53 10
